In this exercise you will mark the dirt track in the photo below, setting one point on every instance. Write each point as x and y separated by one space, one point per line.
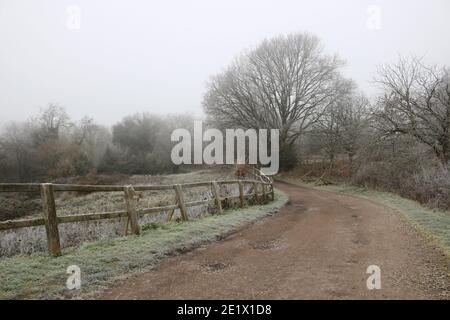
317 247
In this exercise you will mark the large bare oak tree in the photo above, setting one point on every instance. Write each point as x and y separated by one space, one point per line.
285 83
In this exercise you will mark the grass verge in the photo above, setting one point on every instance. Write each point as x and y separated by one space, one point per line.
39 276
434 224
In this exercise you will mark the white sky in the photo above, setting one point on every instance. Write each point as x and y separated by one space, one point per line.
155 56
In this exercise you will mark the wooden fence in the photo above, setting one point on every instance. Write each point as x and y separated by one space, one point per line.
51 220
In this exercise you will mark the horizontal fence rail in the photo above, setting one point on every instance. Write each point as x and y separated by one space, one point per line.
262 192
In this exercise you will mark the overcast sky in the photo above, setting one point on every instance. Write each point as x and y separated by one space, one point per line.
155 56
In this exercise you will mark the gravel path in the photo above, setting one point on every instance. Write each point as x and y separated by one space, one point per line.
317 247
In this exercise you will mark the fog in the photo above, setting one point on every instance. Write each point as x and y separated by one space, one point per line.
123 57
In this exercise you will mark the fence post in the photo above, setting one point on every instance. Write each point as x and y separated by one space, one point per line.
264 191
261 197
51 220
255 190
216 193
181 203
272 192
130 200
241 193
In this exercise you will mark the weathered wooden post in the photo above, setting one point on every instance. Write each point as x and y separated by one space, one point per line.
216 193
130 200
255 190
181 203
51 220
272 192
241 193
261 197
264 191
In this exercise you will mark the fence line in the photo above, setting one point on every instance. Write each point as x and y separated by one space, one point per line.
51 220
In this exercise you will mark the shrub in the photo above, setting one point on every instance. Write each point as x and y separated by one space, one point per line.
430 186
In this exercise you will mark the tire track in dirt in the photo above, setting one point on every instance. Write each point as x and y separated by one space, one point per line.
317 247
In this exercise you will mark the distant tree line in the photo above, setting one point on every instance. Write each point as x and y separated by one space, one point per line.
51 145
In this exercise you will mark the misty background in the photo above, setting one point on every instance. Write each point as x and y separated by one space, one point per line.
129 57
90 91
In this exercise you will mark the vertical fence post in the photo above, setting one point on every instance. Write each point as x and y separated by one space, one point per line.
181 203
130 200
216 193
255 190
261 197
264 191
272 192
51 220
241 193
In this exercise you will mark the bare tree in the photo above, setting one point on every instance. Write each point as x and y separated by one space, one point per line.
285 83
342 126
327 132
15 143
416 103
52 119
84 129
143 143
353 118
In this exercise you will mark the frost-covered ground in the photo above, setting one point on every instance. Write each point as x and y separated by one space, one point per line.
29 240
38 275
